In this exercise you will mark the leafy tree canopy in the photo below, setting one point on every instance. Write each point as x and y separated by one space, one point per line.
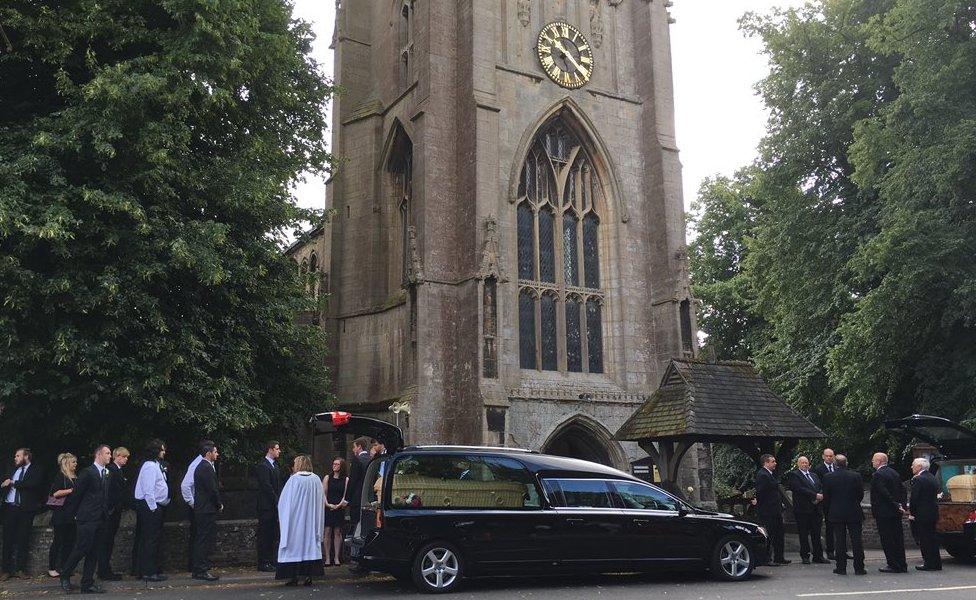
146 153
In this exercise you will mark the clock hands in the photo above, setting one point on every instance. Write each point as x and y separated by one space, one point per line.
569 56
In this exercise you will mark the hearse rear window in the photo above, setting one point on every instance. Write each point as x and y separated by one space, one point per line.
578 493
462 482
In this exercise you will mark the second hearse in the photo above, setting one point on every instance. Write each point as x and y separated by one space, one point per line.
439 514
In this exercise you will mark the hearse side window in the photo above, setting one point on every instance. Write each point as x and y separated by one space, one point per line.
444 481
638 495
578 493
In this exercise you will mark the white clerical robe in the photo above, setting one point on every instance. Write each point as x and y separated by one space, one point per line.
301 516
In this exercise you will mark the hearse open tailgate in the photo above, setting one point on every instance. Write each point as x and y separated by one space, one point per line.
343 423
952 439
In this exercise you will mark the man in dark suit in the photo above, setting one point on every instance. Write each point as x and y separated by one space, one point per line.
807 496
826 465
118 499
924 509
89 503
769 507
270 481
845 490
888 506
357 474
206 505
21 492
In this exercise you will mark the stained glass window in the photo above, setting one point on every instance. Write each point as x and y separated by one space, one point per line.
549 350
559 199
574 350
526 242
526 330
594 335
591 251
547 252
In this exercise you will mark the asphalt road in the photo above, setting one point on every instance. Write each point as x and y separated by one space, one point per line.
956 582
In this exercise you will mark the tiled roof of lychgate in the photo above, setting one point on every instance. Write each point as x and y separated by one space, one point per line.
715 400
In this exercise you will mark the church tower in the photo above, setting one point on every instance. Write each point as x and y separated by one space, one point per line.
506 258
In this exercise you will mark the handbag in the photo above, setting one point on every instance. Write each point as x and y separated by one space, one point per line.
55 502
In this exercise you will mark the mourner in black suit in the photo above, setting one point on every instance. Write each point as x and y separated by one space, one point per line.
769 507
206 505
807 497
924 510
21 491
845 490
826 465
118 501
357 474
89 503
269 482
887 506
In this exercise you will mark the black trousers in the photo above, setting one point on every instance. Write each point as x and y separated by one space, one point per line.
203 542
267 537
107 545
928 542
808 528
150 530
17 524
774 527
828 530
841 531
135 570
86 546
61 545
190 539
892 541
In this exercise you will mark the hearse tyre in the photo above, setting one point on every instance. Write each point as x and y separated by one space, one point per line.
437 568
731 559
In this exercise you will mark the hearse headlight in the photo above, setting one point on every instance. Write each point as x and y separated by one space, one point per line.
762 530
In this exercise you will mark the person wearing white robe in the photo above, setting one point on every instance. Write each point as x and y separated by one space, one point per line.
301 518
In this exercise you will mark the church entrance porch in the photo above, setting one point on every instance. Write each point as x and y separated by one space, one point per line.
584 438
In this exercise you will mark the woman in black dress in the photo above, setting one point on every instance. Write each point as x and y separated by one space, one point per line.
336 485
62 522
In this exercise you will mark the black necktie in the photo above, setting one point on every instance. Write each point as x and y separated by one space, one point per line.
810 478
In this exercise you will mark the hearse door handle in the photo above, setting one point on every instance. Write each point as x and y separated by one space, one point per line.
464 523
574 521
642 522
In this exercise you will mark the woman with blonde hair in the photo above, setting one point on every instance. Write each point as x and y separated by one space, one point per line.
301 518
61 520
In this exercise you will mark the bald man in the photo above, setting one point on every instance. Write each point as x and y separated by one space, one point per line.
888 507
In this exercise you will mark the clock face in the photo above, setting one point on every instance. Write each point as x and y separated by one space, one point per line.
565 55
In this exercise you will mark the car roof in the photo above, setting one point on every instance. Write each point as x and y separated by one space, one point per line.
534 461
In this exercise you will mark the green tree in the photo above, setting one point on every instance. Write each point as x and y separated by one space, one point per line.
146 153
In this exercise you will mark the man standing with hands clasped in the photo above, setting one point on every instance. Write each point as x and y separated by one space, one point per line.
206 505
924 509
807 498
888 506
89 503
845 490
769 507
270 481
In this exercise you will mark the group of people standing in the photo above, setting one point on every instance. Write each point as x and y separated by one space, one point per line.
830 492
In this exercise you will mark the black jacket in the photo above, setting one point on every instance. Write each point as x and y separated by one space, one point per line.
925 498
769 500
270 483
821 469
118 485
887 493
845 490
357 473
89 501
206 496
804 492
30 487
60 516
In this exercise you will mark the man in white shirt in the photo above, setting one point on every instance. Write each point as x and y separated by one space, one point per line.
152 496
20 493
186 490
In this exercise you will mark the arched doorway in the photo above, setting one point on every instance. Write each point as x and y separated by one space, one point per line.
583 438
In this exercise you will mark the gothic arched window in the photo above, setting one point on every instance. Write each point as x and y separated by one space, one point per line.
401 171
558 222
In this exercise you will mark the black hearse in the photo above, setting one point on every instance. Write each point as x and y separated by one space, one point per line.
438 514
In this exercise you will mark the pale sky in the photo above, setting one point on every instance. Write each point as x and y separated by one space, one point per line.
719 118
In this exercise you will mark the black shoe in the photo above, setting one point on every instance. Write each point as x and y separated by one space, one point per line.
891 570
205 576
291 582
924 568
783 561
155 578
267 568
110 577
805 561
308 582
820 561
92 590
860 572
772 564
839 572
66 584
